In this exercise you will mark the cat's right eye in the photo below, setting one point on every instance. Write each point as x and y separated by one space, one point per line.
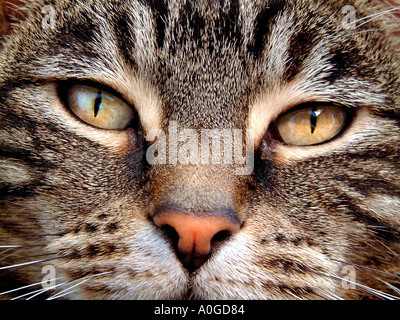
99 108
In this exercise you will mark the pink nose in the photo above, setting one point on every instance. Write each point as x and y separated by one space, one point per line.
196 232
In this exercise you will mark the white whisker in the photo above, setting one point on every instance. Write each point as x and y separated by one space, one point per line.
11 246
332 296
7 250
384 245
22 264
368 268
44 290
25 287
8 255
376 15
374 292
62 291
395 289
63 295
320 295
30 293
39 291
293 295
85 279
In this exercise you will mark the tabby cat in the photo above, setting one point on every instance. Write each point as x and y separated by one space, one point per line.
109 189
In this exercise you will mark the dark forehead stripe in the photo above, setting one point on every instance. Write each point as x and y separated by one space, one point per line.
263 24
202 24
159 11
190 19
300 47
348 61
124 37
227 26
82 32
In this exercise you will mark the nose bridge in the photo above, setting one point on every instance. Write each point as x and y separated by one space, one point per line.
197 189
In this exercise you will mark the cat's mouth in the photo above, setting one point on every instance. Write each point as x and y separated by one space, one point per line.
189 294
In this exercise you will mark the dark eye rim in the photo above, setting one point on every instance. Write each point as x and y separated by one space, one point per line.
273 132
65 85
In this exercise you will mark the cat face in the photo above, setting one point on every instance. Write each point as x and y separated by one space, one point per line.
206 150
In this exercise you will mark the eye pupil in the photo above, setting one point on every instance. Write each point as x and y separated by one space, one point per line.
97 102
313 120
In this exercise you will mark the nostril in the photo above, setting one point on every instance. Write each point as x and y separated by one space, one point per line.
221 236
171 234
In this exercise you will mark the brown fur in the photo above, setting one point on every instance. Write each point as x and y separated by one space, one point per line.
82 198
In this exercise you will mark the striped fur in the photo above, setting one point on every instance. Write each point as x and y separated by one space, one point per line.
79 198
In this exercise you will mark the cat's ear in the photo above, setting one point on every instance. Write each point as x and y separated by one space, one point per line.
9 12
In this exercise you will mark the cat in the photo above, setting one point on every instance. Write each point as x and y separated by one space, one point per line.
172 149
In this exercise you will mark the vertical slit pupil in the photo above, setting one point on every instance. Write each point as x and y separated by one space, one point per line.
313 119
97 102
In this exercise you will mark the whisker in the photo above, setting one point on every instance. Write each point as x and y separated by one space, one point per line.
36 292
63 295
375 15
84 279
34 256
6 251
63 292
14 246
321 296
40 291
22 265
395 289
33 293
384 245
367 268
293 295
13 249
7 256
60 294
47 289
374 292
26 287
34 235
331 296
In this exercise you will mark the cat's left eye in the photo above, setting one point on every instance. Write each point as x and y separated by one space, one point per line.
99 108
311 125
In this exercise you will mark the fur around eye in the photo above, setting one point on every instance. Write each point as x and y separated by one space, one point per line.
98 107
199 150
311 125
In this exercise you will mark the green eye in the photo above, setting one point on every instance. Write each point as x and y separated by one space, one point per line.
99 108
311 125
